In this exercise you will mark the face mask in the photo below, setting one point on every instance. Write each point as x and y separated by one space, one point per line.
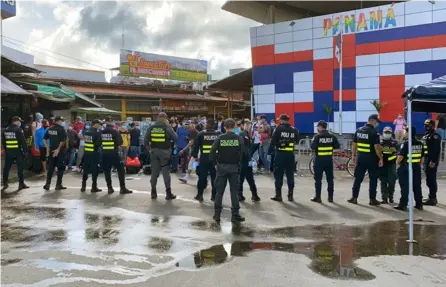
376 125
19 124
87 127
104 125
387 136
273 124
427 128
63 124
70 128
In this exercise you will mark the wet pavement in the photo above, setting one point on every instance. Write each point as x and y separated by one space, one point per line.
72 239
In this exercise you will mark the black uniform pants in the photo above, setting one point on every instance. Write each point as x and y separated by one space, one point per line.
225 173
431 179
53 162
246 173
403 175
91 166
206 167
366 163
284 164
111 159
323 164
9 160
387 177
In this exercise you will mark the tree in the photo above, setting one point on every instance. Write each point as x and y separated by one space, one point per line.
378 106
328 109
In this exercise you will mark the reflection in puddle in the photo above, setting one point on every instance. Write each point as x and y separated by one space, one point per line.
160 244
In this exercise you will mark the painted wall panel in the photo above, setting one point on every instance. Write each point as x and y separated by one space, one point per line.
392 69
439 53
302 35
320 43
283 38
253 42
367 60
264 89
299 77
417 79
346 116
319 54
303 24
265 99
416 7
391 58
367 94
282 27
439 15
303 97
285 98
302 45
367 71
303 87
265 30
265 108
265 40
367 83
418 55
283 48
253 32
418 18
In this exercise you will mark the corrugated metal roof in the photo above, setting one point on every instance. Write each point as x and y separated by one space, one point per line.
9 87
148 94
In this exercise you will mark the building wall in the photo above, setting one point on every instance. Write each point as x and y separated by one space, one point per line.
385 50
69 73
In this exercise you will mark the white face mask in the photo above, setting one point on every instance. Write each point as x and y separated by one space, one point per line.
387 136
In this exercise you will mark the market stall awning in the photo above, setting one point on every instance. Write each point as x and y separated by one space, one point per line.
241 81
9 87
428 97
101 110
9 66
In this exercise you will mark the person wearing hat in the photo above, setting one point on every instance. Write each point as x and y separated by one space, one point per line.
158 140
403 171
282 142
111 141
227 151
323 144
14 143
92 157
367 153
387 173
432 149
55 152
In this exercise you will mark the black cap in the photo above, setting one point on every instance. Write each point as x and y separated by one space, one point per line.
374 117
284 117
108 118
16 118
96 121
59 118
322 124
429 122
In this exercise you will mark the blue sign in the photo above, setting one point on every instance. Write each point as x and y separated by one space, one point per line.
8 8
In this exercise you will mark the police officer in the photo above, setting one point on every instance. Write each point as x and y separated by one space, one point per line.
246 168
367 144
432 148
16 148
92 156
387 173
227 152
111 141
403 171
203 144
55 152
324 143
159 137
283 140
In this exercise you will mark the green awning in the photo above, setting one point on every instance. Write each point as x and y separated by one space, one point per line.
57 92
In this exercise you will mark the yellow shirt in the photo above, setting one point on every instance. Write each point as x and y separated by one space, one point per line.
125 138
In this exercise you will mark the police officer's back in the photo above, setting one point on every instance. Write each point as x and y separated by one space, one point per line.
403 171
203 143
14 143
284 139
323 144
227 152
111 141
366 143
56 152
158 138
432 149
93 143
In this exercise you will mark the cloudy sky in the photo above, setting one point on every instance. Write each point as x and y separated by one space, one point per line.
91 31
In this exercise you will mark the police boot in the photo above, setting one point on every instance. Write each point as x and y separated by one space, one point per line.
330 198
124 190
278 196
419 206
316 199
237 218
95 188
353 200
384 201
430 202
374 202
59 186
46 186
241 197
399 207
84 186
391 199
153 194
110 189
216 217
255 197
170 195
290 195
199 197
5 186
22 186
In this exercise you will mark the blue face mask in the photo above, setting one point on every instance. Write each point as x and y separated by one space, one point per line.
87 127
63 124
19 124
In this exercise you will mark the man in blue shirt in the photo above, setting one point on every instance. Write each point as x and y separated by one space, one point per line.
183 133
40 145
135 134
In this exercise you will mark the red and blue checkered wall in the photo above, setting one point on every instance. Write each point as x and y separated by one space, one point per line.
385 50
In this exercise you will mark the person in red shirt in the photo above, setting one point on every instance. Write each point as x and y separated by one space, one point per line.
78 125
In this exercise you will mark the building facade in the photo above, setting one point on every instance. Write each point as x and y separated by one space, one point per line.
385 50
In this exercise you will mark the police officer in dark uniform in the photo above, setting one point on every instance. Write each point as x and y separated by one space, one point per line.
227 152
111 141
387 173
203 144
366 142
159 137
323 143
246 168
432 149
403 171
14 143
56 152
92 156
283 140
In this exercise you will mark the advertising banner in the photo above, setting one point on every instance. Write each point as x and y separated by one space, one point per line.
138 64
8 8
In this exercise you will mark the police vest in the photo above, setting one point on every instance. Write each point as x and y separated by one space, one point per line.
363 145
417 148
89 142
159 138
424 140
54 136
229 150
286 141
389 151
108 143
12 142
324 145
208 139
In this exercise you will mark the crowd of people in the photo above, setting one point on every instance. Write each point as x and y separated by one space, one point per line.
226 150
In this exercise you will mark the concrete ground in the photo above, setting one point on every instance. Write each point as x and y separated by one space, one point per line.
69 238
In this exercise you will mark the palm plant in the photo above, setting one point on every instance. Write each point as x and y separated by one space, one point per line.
378 106
327 109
